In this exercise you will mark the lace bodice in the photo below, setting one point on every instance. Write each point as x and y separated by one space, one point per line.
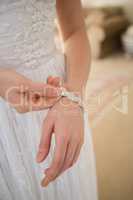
26 32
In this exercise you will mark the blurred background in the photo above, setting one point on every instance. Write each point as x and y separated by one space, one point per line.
109 25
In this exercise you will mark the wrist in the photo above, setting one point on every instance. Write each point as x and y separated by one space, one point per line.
67 107
71 99
76 89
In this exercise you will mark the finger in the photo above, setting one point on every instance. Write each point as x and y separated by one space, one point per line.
26 102
49 80
68 162
14 100
60 171
46 90
41 103
36 87
34 104
57 162
77 154
21 103
45 141
56 81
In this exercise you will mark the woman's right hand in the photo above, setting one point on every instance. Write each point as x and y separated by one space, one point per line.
25 95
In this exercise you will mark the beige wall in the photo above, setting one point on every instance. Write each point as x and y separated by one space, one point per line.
113 141
113 136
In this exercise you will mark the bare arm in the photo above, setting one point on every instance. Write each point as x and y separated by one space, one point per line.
76 43
68 127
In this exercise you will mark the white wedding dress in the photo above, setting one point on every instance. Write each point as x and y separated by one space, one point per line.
27 46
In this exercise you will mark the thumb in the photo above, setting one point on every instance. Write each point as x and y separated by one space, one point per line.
55 81
45 141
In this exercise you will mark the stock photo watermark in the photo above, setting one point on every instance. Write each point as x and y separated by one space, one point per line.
24 99
98 106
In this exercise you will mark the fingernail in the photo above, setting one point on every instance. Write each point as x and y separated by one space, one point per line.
45 182
39 157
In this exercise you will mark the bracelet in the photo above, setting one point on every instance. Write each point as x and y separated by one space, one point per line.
71 96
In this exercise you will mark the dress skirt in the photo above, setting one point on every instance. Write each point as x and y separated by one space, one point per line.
20 175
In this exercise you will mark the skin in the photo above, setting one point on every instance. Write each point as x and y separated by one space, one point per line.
65 119
25 95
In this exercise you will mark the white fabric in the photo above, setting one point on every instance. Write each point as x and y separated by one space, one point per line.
27 45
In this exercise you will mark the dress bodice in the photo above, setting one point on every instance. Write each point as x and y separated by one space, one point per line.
26 32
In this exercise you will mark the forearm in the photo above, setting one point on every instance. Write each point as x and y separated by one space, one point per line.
78 59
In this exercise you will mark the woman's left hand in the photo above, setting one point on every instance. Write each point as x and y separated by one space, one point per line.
65 120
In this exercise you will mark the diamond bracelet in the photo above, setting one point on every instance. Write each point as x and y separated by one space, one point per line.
71 96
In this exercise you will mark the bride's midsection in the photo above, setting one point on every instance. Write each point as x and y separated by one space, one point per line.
26 35
29 49
26 49
54 65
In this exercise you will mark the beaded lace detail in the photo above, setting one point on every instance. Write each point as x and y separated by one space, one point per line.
27 42
26 32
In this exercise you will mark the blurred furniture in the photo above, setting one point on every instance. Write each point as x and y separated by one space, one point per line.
105 26
127 40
